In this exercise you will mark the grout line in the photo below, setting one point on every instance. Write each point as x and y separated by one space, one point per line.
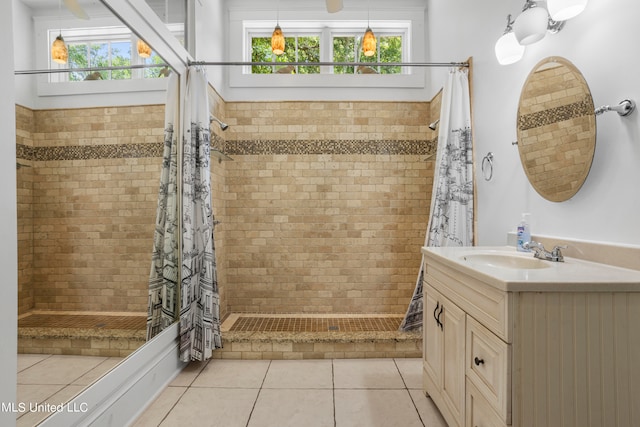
172 406
333 391
408 392
258 395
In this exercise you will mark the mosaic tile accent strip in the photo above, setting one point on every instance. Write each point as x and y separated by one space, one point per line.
111 151
268 147
316 324
255 147
555 115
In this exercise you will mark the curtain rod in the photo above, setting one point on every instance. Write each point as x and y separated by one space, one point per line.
78 70
338 64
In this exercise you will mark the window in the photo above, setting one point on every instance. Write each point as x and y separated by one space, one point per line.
341 43
103 47
299 48
347 49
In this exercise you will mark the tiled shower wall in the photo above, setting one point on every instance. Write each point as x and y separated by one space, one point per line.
323 208
327 205
93 185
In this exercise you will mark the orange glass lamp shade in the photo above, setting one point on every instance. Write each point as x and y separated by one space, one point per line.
59 52
369 43
144 50
277 41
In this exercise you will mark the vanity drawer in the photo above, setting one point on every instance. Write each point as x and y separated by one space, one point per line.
491 306
479 411
488 366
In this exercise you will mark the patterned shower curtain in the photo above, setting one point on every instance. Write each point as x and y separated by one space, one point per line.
199 298
451 212
163 278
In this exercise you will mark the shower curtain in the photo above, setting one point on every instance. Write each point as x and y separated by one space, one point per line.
199 297
197 294
451 212
163 278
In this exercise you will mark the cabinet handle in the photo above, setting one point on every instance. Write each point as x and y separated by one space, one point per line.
478 361
435 315
439 314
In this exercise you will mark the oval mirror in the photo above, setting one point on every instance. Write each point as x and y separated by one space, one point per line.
556 129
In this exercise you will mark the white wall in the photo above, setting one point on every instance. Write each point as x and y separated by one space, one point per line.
601 42
24 57
9 228
211 27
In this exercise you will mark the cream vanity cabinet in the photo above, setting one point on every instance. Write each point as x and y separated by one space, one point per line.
513 347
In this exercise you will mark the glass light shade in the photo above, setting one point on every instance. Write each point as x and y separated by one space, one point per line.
531 25
561 10
59 52
277 41
144 50
334 6
508 50
369 43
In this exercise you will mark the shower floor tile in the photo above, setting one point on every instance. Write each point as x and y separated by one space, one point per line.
316 323
54 320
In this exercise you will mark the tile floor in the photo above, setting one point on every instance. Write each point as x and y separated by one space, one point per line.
309 393
54 379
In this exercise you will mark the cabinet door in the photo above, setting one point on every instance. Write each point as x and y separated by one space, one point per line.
433 337
453 381
444 354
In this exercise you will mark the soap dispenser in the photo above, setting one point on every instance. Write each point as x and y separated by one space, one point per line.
523 233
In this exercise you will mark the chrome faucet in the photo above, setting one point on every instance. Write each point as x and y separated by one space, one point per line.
541 253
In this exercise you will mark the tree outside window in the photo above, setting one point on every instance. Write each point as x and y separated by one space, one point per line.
297 49
344 48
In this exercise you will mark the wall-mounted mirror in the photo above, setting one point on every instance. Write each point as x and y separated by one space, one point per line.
556 129
88 155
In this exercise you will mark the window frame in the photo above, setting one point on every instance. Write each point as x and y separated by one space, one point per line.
327 32
73 91
411 85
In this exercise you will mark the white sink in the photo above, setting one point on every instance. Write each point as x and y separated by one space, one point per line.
505 260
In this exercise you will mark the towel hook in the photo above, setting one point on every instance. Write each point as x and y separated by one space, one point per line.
487 166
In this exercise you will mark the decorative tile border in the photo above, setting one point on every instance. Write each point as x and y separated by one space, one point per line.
262 147
110 151
555 115
245 147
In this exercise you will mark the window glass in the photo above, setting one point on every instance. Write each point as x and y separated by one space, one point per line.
343 47
303 48
105 47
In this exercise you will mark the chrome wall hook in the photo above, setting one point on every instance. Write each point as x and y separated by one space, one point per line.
625 108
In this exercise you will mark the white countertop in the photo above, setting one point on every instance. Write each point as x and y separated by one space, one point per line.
572 275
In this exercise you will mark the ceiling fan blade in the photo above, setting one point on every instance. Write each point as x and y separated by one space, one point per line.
76 9
334 6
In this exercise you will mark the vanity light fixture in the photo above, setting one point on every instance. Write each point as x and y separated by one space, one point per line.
561 10
277 38
144 50
508 50
533 24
